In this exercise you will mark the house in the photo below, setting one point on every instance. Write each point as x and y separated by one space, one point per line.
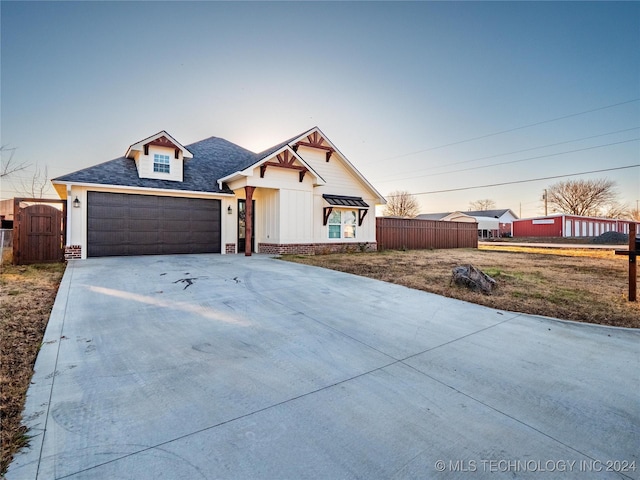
447 217
504 216
213 196
6 213
565 225
491 223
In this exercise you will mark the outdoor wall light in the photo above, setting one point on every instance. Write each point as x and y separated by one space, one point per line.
229 210
76 203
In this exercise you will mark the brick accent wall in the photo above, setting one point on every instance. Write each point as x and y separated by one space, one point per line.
315 248
230 248
72 251
292 248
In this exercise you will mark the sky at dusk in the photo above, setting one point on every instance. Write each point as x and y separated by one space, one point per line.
419 96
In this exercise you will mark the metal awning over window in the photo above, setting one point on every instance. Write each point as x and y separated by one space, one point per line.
345 201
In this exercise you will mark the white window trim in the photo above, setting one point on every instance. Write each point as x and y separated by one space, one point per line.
160 162
342 223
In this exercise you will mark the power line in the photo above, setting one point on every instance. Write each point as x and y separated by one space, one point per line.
520 181
516 151
509 130
514 161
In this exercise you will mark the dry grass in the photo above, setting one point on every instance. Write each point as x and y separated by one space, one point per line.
26 296
572 284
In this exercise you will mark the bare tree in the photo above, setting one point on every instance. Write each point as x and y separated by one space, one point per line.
401 204
37 184
634 215
483 205
10 166
616 210
582 197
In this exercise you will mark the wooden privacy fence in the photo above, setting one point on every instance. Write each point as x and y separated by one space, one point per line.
412 234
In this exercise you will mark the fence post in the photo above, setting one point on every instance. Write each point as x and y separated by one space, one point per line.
633 265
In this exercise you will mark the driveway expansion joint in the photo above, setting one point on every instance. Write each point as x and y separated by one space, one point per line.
70 269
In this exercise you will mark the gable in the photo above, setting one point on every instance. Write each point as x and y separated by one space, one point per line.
504 214
341 177
317 141
287 158
159 156
161 139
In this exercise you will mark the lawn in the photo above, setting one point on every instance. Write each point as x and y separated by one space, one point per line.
26 296
572 284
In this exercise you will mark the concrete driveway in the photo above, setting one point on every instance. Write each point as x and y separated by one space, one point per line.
233 367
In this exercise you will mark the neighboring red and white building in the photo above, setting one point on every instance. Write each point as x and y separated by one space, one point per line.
564 225
491 223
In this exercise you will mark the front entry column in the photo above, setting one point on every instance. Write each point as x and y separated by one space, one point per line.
249 219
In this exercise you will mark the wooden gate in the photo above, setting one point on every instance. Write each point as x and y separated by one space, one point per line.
38 231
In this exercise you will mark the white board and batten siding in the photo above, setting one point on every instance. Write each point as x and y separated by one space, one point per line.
339 181
145 164
298 205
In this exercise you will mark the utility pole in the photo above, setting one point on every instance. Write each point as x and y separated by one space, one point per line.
544 197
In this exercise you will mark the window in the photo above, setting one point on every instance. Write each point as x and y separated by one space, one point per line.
342 224
335 224
161 163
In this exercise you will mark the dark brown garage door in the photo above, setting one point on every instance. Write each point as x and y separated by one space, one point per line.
122 224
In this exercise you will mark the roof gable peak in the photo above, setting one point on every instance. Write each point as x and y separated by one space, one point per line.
162 138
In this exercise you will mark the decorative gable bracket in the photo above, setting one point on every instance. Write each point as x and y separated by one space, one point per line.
176 151
315 141
160 139
284 161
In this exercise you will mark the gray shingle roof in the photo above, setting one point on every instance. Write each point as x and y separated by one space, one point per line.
476 213
432 216
213 158
488 213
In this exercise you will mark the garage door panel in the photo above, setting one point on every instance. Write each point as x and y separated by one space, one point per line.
100 199
176 238
205 226
113 250
178 248
144 238
127 224
145 224
202 215
142 213
200 237
142 201
107 225
110 211
170 225
173 214
111 238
